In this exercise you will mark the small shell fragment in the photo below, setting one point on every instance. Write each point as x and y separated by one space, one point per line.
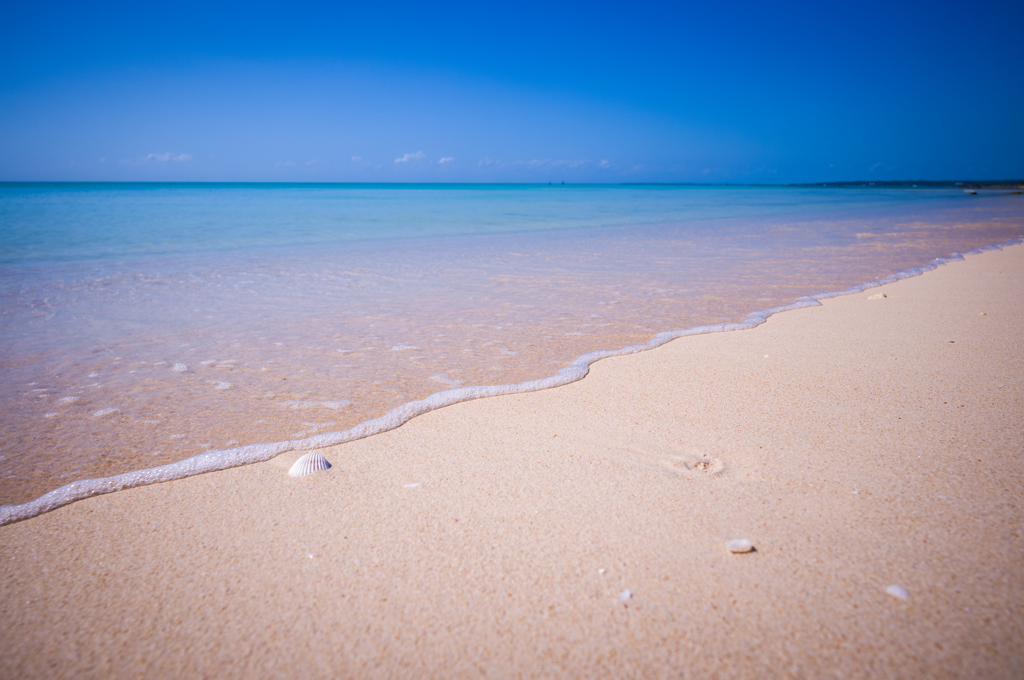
625 595
313 461
878 296
897 591
739 545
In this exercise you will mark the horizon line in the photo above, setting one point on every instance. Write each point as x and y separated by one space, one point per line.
834 183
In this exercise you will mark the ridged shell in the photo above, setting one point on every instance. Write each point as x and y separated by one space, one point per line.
313 461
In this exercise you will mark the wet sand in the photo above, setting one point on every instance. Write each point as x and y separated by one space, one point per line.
861 444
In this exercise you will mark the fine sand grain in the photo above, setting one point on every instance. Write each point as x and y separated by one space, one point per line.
582 531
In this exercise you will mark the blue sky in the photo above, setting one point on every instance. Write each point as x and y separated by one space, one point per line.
675 92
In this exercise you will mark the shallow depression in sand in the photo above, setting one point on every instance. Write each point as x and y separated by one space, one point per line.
695 467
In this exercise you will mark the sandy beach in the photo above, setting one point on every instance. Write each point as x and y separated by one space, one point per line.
581 531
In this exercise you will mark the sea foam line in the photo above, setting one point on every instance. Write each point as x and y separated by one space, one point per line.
222 459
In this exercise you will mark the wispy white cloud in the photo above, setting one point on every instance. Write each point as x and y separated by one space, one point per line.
559 163
284 164
446 159
312 162
356 159
546 163
160 158
411 157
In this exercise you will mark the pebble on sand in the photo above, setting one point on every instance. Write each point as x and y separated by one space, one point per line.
877 296
740 545
625 595
898 591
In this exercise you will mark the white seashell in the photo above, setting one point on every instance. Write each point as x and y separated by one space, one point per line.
625 595
414 485
313 461
878 296
739 545
897 591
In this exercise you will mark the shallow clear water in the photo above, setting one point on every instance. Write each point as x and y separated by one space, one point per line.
142 324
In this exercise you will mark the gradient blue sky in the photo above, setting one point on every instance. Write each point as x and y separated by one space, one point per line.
675 92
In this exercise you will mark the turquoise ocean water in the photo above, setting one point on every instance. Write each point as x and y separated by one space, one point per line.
143 324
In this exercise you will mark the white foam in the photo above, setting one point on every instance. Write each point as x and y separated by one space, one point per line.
222 459
180 368
105 412
204 462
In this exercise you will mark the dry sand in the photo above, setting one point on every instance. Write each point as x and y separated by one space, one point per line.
861 444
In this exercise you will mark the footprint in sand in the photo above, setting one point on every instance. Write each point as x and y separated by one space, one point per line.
695 464
695 467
